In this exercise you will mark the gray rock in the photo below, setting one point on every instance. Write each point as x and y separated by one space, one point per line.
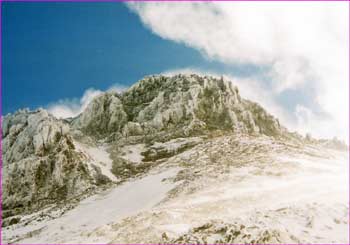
103 115
189 103
40 163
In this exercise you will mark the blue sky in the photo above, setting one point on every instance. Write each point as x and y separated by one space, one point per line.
53 51
59 55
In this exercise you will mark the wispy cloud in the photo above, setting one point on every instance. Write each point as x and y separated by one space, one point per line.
67 108
72 107
305 44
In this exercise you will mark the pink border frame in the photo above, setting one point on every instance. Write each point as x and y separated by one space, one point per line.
144 1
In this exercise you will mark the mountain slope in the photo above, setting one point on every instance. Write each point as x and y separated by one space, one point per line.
227 189
228 158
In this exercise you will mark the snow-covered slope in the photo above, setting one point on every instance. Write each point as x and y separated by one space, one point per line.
96 211
97 157
260 191
180 159
288 194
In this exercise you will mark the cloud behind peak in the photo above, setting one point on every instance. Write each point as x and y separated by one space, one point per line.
304 45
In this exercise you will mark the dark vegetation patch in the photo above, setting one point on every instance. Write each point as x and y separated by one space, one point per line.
154 154
124 169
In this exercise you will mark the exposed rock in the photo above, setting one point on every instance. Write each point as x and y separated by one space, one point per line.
164 150
105 114
132 128
189 104
40 163
221 233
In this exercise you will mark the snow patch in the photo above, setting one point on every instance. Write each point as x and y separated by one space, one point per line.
99 157
132 153
99 210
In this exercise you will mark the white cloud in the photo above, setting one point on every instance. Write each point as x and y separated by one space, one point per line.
73 107
308 121
305 44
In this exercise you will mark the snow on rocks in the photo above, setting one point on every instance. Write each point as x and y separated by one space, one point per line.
133 153
96 211
189 102
98 156
40 163
269 200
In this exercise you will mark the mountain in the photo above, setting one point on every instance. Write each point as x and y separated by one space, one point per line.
40 163
175 106
167 143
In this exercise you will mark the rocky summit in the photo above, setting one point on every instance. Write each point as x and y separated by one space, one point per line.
175 106
185 153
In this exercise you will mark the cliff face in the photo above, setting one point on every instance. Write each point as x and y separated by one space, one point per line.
184 104
40 162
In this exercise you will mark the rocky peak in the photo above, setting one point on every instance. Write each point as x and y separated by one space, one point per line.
40 162
186 104
30 132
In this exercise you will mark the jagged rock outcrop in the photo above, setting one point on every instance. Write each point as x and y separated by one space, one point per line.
213 233
103 115
40 163
185 104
